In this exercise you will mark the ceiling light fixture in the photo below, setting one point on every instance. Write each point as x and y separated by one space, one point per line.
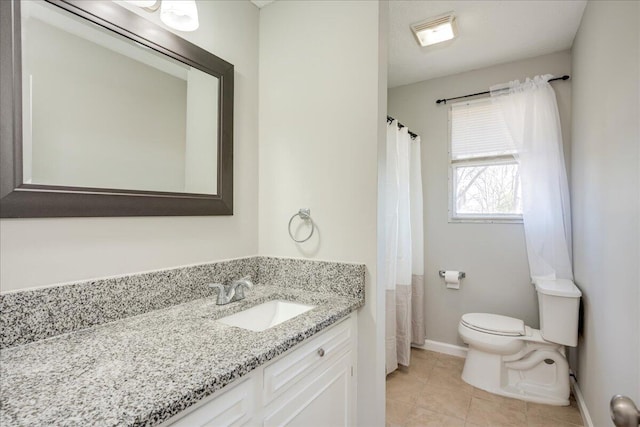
435 30
181 15
143 3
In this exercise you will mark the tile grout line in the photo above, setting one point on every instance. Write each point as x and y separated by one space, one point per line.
466 416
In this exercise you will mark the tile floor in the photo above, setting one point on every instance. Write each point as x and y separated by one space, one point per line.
431 393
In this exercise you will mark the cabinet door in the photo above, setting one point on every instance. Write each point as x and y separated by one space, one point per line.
320 400
233 407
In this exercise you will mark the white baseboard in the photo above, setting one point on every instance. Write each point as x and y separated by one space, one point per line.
582 405
442 347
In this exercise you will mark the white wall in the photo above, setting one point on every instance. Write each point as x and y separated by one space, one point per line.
492 255
378 382
605 198
319 128
37 252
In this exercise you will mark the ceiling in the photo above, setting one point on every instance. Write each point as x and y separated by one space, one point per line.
489 33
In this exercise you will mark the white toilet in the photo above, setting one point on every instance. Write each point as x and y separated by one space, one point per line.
508 358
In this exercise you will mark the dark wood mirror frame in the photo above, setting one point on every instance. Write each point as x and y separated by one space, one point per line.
20 200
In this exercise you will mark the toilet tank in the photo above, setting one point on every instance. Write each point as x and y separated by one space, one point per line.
559 304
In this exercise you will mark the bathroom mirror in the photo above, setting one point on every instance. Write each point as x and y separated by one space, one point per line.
108 114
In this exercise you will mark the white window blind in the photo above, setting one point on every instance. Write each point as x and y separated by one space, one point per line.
478 129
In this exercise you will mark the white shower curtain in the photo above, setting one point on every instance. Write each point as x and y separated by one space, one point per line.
404 271
531 113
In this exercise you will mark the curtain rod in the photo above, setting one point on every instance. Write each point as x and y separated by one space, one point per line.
400 126
439 101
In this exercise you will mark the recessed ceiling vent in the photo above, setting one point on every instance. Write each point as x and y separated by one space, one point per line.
435 30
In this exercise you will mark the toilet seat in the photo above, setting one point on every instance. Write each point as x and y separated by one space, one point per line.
494 324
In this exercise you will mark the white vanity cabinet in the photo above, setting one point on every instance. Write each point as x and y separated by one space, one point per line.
234 406
318 400
313 384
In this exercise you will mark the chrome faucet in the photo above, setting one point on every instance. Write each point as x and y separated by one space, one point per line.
233 292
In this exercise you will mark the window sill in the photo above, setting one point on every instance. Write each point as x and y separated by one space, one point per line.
489 220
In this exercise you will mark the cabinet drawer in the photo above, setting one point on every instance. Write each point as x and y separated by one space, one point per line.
286 371
234 407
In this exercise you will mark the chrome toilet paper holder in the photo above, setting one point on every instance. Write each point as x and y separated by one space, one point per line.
461 274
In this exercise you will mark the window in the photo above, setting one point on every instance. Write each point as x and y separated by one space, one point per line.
484 175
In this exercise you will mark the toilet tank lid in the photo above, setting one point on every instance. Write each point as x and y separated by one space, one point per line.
494 323
558 287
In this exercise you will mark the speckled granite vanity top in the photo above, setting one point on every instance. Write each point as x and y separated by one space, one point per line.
142 370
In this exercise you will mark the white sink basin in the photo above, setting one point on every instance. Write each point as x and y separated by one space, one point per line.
265 315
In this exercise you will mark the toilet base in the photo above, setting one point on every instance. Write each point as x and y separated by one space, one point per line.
530 378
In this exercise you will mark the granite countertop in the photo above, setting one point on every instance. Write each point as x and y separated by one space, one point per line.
142 370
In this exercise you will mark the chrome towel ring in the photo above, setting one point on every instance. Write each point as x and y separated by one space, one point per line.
305 215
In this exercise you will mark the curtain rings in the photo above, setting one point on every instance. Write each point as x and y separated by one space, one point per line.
305 215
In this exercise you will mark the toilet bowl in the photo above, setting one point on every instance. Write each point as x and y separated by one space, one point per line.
508 358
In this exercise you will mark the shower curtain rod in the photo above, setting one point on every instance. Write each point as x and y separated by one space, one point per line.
439 101
400 126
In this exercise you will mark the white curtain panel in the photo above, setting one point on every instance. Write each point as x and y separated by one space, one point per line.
531 113
391 242
404 247
418 325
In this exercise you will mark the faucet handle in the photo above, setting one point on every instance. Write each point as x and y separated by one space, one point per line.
222 292
246 281
239 286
